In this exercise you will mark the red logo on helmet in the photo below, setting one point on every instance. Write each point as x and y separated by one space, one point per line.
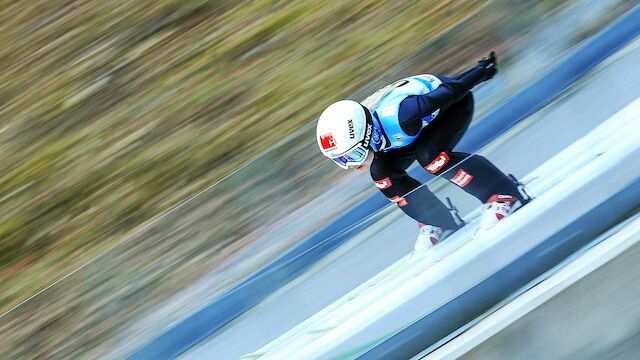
327 142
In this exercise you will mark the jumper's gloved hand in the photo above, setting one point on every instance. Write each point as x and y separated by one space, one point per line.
456 88
490 65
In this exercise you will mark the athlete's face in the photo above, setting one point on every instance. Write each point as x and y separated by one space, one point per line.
365 165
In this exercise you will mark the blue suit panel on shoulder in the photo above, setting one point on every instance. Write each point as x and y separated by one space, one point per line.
388 108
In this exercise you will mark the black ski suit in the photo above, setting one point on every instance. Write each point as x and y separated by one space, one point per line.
434 150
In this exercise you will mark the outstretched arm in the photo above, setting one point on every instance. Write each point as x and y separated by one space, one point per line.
491 62
414 108
454 89
485 70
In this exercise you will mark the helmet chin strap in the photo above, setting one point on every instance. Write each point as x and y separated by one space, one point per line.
366 142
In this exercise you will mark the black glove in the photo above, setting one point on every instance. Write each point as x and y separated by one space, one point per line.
463 83
490 65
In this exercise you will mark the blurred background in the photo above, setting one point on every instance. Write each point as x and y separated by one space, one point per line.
112 113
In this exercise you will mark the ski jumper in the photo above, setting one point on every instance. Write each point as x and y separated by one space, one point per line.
423 118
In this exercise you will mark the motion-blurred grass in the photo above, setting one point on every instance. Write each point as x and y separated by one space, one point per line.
114 111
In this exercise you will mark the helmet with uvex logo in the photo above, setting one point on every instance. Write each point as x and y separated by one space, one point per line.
344 133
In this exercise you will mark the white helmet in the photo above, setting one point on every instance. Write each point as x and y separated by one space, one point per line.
344 133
